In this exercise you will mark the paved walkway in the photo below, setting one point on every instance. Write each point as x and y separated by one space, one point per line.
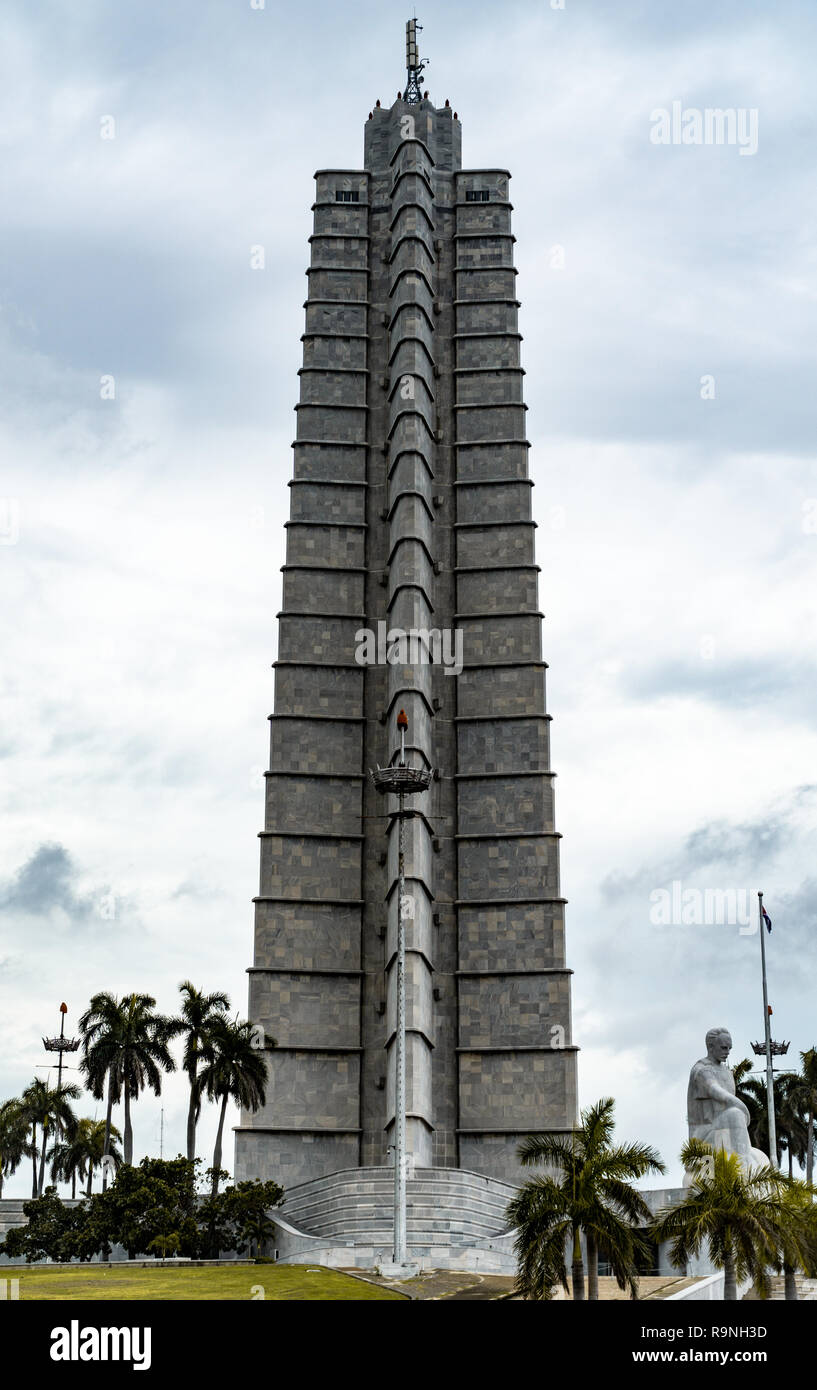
456 1286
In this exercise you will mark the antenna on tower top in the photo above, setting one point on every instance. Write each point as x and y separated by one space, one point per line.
414 65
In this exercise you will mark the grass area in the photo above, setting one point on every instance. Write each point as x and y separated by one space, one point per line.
296 1283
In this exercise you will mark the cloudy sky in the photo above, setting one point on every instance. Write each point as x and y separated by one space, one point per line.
148 376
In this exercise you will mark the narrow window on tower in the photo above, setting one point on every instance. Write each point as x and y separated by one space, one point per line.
477 195
347 195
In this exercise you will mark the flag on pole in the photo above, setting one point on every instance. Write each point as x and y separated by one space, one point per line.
767 919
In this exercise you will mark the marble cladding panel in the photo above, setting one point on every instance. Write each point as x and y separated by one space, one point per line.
289 1159
315 1089
338 546
509 745
336 317
316 745
319 591
323 502
513 936
307 936
348 426
501 638
504 804
330 806
326 639
494 283
300 1009
347 286
507 460
342 219
514 1010
508 868
530 1090
332 351
487 318
484 252
339 252
503 691
495 351
323 387
491 422
494 545
297 866
483 217
481 502
484 388
485 590
310 690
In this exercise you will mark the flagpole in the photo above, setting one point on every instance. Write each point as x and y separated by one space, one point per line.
767 1026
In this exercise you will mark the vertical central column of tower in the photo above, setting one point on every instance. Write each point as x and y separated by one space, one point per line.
410 608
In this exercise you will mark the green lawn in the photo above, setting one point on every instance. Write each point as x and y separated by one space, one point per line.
278 1282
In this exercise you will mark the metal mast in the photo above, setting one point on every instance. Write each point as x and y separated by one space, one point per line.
768 1037
404 781
414 65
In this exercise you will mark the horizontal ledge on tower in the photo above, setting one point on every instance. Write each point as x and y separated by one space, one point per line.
507 902
472 569
291 1129
489 444
329 776
497 482
334 525
309 902
489 974
521 1047
513 772
498 718
495 613
512 835
321 665
500 665
300 970
518 1129
308 1047
328 719
307 834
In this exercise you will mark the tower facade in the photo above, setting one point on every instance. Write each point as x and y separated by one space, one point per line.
410 583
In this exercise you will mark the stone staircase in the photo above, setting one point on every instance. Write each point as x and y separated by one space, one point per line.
455 1220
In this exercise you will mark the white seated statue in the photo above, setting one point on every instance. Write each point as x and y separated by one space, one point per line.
714 1113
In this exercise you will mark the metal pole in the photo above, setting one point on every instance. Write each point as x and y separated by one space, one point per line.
400 1061
768 1036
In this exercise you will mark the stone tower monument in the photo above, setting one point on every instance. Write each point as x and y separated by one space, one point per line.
410 583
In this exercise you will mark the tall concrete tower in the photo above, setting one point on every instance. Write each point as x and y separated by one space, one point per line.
410 582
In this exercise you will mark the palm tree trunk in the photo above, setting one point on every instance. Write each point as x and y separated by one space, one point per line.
108 1120
577 1268
90 1178
128 1140
217 1149
810 1148
730 1286
34 1160
191 1124
73 1184
791 1174
790 1283
42 1161
592 1268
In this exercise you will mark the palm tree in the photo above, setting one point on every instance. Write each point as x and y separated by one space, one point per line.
14 1126
806 1093
789 1126
199 1014
49 1108
82 1152
235 1069
125 1049
745 1218
589 1195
